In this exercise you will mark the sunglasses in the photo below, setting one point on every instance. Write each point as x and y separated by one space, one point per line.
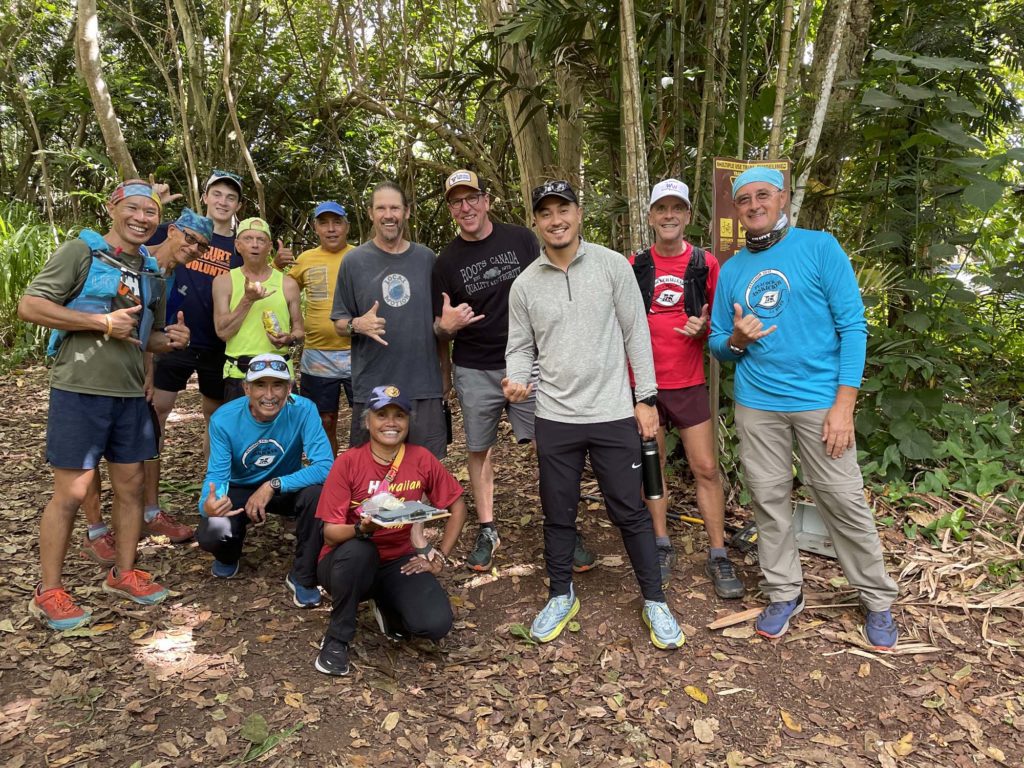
191 239
219 174
274 365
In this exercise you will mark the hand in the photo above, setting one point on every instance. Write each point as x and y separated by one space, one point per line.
255 291
123 323
219 507
746 330
646 420
281 339
837 431
163 191
367 525
178 334
371 325
454 319
147 385
256 506
695 325
422 564
285 257
514 392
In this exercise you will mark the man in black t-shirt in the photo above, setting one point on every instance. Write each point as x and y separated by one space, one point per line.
471 282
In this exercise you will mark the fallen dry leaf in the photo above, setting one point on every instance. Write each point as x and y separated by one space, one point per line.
696 694
704 730
390 721
789 722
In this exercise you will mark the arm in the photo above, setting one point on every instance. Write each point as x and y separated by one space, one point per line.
218 467
317 449
519 351
174 336
40 311
444 356
297 330
226 321
636 333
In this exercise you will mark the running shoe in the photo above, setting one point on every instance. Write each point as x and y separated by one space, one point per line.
774 619
665 631
165 525
487 543
333 657
303 597
389 622
225 570
57 609
880 630
554 616
103 550
138 586
723 576
666 560
582 561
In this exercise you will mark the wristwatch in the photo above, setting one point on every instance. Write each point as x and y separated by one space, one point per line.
650 401
275 483
351 328
360 533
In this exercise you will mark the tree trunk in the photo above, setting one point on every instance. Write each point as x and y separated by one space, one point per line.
230 99
632 111
836 136
714 19
570 130
90 65
818 121
527 117
775 140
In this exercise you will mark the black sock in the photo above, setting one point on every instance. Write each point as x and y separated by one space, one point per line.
490 525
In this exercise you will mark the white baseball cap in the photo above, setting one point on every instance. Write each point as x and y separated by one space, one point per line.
670 188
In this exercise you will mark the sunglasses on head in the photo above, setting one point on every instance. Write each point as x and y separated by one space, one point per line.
221 174
274 365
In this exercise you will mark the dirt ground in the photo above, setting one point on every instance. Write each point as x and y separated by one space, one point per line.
222 673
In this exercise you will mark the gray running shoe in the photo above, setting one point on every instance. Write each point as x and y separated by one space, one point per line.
666 561
723 575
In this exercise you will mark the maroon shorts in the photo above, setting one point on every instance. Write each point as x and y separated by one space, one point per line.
683 408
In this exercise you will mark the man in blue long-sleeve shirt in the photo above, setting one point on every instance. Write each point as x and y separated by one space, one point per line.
789 314
255 467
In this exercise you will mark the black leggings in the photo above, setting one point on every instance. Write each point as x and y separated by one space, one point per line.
614 448
352 572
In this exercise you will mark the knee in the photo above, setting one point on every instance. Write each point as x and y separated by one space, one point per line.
353 561
213 532
432 624
705 471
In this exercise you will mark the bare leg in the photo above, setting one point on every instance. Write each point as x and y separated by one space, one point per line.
127 481
700 453
70 487
209 406
91 503
481 480
330 422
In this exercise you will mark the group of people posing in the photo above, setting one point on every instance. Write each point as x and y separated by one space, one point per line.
586 351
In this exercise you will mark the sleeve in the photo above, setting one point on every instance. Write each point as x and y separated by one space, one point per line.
847 308
63 274
438 285
298 271
519 351
636 333
218 466
317 449
441 488
336 497
721 319
344 293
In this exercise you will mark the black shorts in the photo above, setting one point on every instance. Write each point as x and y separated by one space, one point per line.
83 428
324 392
172 371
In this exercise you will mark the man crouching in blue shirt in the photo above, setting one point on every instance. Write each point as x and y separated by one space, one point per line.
255 467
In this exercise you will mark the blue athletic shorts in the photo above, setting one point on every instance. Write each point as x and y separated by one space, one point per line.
82 428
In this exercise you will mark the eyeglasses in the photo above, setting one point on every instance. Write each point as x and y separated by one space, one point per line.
274 365
473 201
191 239
762 196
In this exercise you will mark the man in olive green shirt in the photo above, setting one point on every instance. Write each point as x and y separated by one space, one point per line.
105 299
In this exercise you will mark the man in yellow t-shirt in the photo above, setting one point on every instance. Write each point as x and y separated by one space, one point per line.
326 360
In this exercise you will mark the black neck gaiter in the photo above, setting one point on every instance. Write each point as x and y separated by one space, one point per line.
757 243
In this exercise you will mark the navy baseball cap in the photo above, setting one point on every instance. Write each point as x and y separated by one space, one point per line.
330 207
559 188
387 395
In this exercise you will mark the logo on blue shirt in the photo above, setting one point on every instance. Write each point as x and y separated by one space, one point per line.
768 293
262 454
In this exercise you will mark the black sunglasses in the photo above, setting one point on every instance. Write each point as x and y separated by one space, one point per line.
191 239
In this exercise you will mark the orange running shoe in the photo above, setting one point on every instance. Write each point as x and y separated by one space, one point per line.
57 610
165 525
138 586
103 550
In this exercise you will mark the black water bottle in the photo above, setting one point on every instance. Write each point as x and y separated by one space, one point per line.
653 488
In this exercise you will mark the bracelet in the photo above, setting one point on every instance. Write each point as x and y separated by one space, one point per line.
110 325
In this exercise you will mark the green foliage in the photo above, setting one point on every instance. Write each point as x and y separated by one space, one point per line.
25 243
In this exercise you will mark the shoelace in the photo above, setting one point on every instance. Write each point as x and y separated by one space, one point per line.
556 606
660 617
775 609
879 619
62 601
137 579
723 568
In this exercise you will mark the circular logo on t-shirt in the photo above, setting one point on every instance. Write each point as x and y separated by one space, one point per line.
768 293
397 291
262 453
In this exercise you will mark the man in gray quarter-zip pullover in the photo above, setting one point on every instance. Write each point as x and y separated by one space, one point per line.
578 310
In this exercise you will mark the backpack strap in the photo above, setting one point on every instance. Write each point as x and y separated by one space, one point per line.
695 282
643 270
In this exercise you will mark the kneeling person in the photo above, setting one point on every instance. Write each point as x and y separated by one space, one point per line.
360 560
255 467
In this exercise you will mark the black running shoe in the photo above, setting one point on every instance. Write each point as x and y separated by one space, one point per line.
333 658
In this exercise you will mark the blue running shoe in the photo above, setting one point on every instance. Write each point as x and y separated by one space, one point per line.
665 632
880 630
225 570
555 615
774 620
303 597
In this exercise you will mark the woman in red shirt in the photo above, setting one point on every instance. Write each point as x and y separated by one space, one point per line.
362 561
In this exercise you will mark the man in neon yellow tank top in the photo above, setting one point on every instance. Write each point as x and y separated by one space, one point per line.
240 299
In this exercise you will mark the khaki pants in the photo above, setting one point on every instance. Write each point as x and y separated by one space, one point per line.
766 450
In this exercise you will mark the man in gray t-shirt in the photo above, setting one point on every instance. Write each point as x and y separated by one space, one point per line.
383 302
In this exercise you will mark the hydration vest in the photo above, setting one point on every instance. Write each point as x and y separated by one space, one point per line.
108 278
695 281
